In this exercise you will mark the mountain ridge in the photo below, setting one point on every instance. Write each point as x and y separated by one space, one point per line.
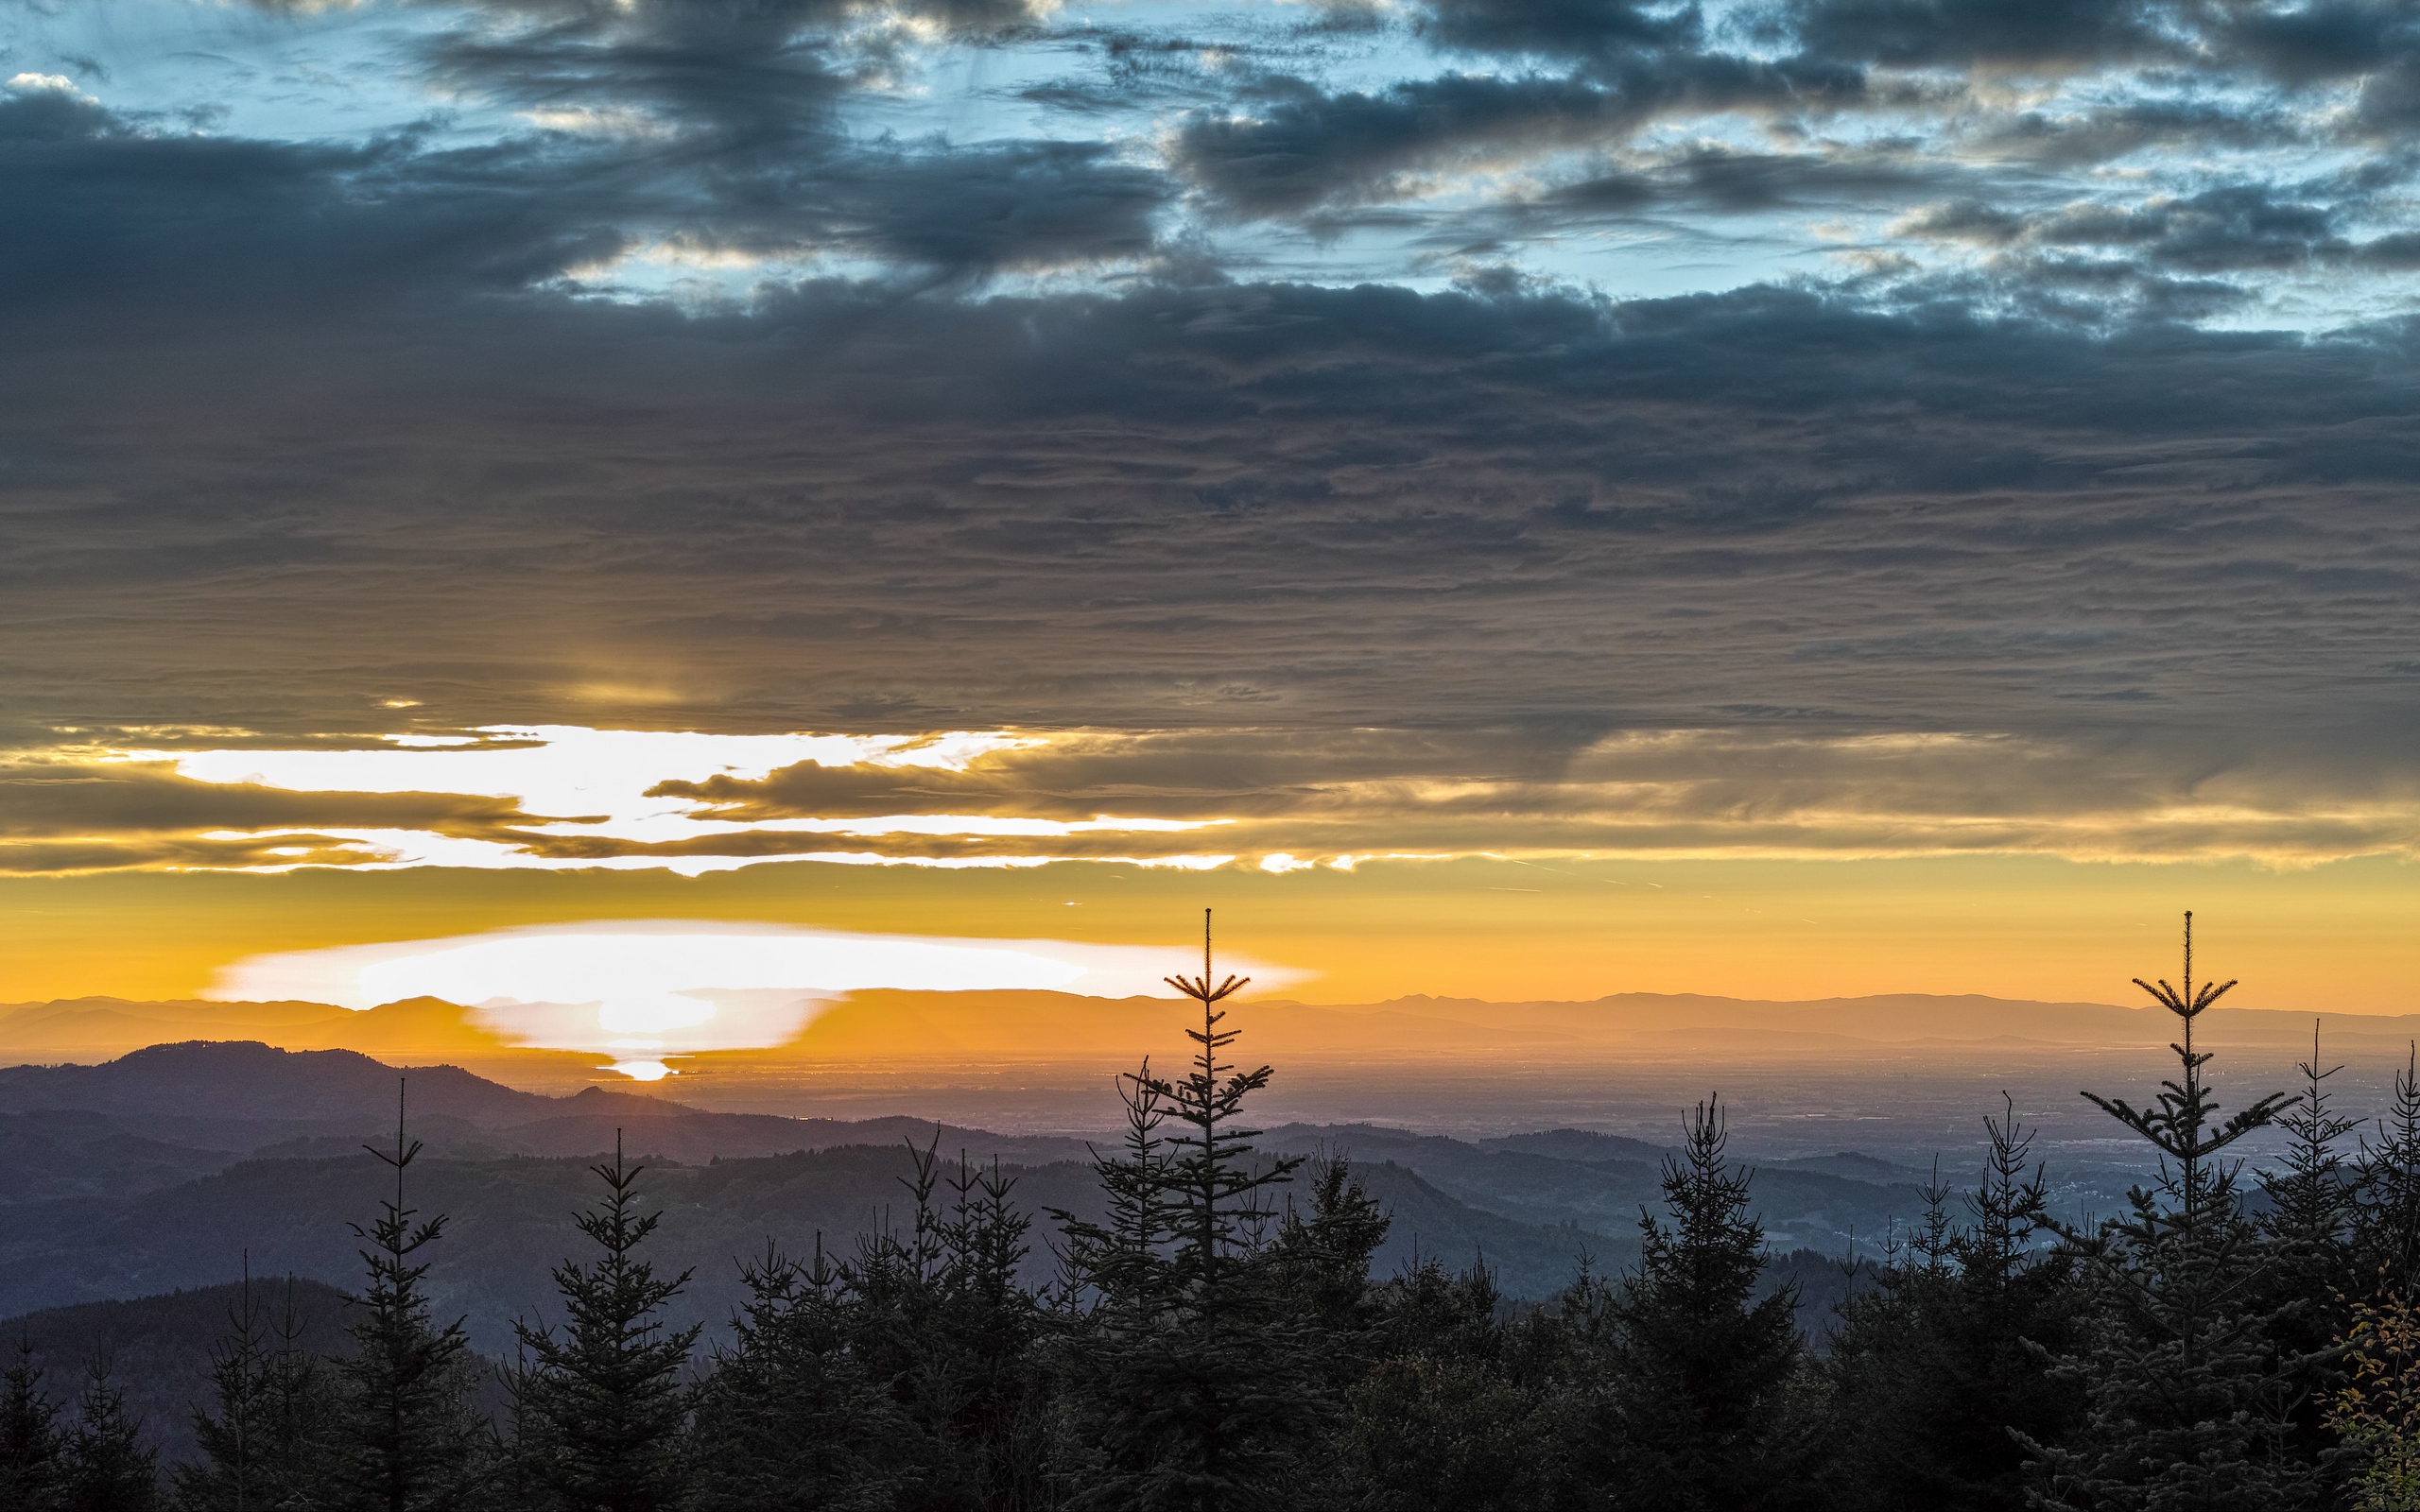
893 1028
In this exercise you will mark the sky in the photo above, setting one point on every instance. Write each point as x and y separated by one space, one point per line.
1503 498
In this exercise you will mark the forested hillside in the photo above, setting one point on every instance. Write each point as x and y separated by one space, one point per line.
1193 1313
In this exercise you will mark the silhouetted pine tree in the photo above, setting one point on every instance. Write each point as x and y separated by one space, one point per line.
939 1318
2385 1219
103 1465
407 1440
1321 1261
1931 1368
1446 1419
1191 1375
2310 1198
788 1420
1695 1374
268 1444
1115 1297
998 1392
598 1412
29 1437
2188 1396
1318 1266
2310 1277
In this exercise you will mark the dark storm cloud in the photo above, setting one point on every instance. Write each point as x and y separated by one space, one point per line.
1303 146
757 75
293 433
2057 34
1572 28
108 205
2313 43
1297 146
1204 504
2239 228
2104 132
1022 204
64 813
108 209
53 798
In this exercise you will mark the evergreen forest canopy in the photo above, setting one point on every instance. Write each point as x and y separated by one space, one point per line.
1214 1340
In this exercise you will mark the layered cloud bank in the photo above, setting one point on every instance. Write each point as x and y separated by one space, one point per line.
1295 434
567 797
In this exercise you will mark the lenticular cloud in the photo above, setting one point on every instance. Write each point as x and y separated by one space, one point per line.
643 991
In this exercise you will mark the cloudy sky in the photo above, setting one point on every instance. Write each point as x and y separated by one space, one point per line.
1932 481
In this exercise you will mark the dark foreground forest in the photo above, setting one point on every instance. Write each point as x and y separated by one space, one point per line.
1215 1339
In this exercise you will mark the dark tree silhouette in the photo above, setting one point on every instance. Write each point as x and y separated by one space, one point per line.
2312 1278
1930 1368
939 1317
104 1466
2188 1394
407 1439
1194 1386
268 1444
788 1420
1696 1370
2385 1237
598 1411
29 1437
1450 1414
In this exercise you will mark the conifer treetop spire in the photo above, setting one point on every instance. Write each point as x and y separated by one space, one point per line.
1200 989
402 1155
2187 1003
2184 1123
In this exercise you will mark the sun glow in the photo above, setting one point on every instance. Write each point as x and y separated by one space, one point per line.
648 990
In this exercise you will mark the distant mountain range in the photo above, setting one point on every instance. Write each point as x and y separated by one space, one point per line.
177 1165
944 1029
138 1181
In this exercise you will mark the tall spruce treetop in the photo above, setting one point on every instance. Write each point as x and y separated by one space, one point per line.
408 1435
106 1466
2008 1209
600 1410
1932 1365
229 1473
944 1324
1701 1364
1192 1377
266 1447
30 1436
1121 1261
2308 1198
2308 1222
2189 1394
2183 1123
1220 1209
2386 1192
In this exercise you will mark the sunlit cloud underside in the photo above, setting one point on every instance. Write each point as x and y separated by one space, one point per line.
589 798
646 992
568 798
